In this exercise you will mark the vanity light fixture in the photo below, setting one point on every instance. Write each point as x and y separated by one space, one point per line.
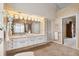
42 18
29 18
26 17
21 17
16 16
32 18
36 19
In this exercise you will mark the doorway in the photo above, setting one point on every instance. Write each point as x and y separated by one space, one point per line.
69 31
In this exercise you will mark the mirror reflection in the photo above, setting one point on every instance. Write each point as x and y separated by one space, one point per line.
25 26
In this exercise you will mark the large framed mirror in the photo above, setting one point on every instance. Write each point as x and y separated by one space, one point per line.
21 26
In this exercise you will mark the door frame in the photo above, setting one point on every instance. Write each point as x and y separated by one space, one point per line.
62 40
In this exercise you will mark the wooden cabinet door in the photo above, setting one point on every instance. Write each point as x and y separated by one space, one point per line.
69 30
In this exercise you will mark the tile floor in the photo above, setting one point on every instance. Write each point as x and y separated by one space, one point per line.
71 42
52 49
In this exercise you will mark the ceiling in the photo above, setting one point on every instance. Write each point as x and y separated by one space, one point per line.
62 5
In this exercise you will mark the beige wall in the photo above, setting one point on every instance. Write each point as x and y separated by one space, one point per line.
72 9
65 12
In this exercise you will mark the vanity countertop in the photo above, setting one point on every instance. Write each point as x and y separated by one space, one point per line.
24 35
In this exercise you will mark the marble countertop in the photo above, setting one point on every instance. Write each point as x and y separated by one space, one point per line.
24 35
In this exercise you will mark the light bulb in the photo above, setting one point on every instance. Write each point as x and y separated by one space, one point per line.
36 19
16 17
21 17
29 18
32 19
25 18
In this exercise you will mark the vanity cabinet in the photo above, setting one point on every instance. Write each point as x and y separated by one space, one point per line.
26 41
19 42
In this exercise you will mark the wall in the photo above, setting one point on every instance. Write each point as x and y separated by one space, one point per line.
48 10
1 32
65 12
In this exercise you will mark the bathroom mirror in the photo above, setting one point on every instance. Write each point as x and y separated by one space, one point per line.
28 26
18 28
36 27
